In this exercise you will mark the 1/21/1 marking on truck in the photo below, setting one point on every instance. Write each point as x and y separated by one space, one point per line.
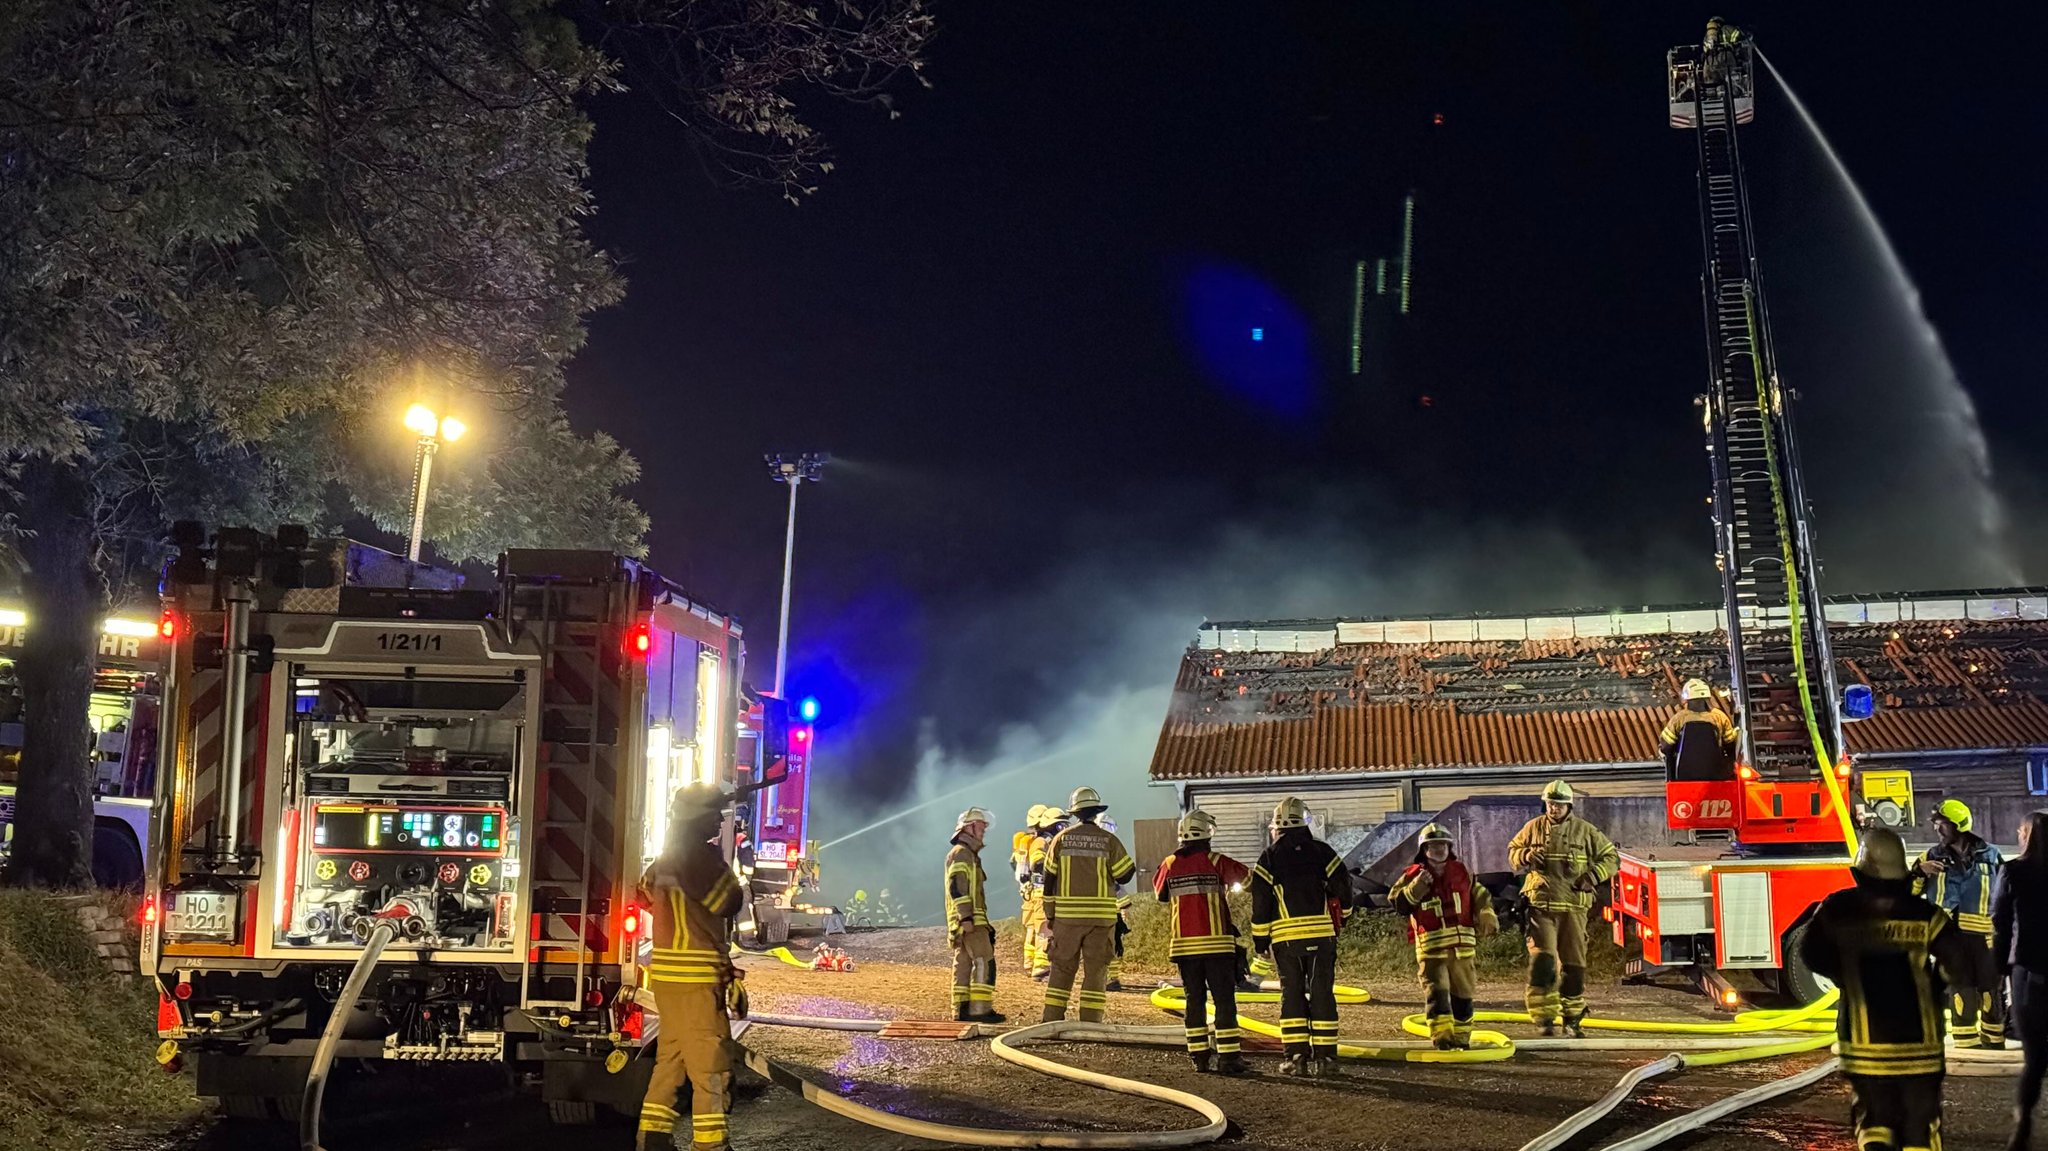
408 641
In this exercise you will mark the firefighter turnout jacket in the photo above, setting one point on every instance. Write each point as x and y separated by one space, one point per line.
1194 883
693 897
1564 859
1445 908
1299 890
1881 945
966 894
1083 867
1963 888
1723 730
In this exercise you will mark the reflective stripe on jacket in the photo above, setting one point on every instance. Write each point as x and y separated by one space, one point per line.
692 900
1573 851
1083 867
1964 889
965 883
1195 886
1443 922
1299 890
1875 940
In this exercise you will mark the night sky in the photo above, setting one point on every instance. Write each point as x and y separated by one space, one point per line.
1020 318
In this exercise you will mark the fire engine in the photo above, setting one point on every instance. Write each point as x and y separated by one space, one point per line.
783 857
122 710
1768 833
484 771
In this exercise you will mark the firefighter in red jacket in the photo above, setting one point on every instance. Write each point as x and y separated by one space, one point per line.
1448 914
1194 882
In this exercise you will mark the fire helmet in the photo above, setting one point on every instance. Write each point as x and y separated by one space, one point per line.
972 815
1697 689
1435 833
1290 812
1084 800
695 802
1558 791
1956 812
1196 826
1036 816
1882 854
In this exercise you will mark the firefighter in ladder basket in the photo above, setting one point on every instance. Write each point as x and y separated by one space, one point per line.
692 896
1698 740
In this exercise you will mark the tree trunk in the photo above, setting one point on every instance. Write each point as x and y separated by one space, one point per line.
65 600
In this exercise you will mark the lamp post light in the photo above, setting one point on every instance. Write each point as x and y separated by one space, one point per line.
794 471
433 431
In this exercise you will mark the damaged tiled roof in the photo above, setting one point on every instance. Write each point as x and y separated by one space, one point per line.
1940 685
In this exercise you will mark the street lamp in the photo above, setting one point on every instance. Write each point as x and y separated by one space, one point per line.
793 471
433 431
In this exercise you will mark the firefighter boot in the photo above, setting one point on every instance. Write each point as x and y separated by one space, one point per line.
1231 1063
1294 1065
2022 1130
1201 1060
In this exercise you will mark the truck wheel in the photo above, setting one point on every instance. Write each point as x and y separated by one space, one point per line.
571 1112
1796 979
116 859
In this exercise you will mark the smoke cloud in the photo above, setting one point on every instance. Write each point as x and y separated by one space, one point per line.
1087 654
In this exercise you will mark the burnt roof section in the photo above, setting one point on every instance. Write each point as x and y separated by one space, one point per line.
1944 681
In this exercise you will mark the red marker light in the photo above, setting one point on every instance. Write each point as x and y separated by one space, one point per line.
1843 770
801 735
631 920
147 915
1747 772
639 641
182 991
167 625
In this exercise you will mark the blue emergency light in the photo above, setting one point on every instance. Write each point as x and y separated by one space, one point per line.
808 709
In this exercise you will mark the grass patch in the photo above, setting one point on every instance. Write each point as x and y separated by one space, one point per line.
1373 947
76 1054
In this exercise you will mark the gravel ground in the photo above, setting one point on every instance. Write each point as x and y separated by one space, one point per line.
1374 1106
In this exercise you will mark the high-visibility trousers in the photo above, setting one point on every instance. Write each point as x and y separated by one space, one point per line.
1086 947
691 1049
1896 1112
974 970
1035 958
1447 990
1557 964
1308 996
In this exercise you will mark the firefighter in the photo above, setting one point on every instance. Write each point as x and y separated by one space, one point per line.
1123 924
1957 876
1053 821
1299 894
1032 908
1194 882
1883 947
1448 914
692 896
1562 858
1083 867
968 931
1700 720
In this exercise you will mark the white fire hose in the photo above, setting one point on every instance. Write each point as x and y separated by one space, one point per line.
323 1055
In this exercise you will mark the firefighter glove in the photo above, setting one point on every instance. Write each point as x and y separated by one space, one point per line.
736 996
1488 923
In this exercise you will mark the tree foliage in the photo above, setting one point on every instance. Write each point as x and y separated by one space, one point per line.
237 237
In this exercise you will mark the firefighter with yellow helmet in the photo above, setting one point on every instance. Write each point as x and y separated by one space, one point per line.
1029 893
692 897
968 930
1888 951
1084 865
1562 859
1957 875
1698 732
1052 819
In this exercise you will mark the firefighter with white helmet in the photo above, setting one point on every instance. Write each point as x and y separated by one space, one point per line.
1698 736
968 930
1194 883
1448 912
1300 892
1562 859
1084 865
691 896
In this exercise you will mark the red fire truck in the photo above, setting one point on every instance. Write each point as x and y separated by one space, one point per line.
485 770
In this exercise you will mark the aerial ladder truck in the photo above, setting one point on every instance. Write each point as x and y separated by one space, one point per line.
1767 835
